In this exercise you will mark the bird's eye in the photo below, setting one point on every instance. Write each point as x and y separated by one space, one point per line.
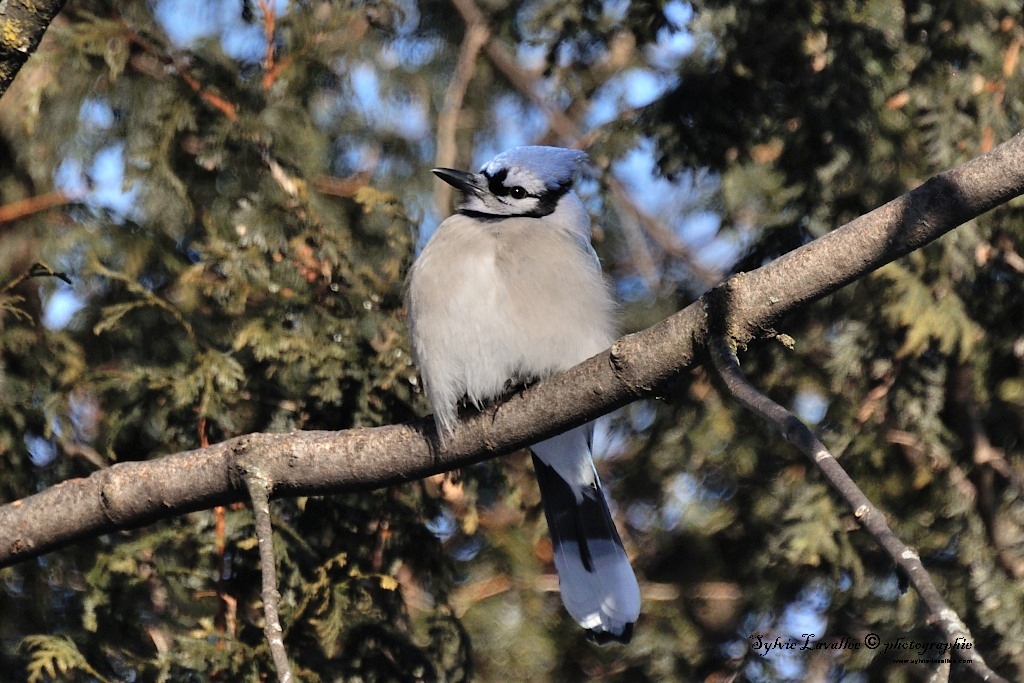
517 192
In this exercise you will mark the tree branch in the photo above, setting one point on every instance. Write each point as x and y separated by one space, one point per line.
22 25
249 469
32 205
940 614
131 494
476 36
523 81
637 226
37 270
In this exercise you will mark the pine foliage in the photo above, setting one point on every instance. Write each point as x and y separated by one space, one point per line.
239 220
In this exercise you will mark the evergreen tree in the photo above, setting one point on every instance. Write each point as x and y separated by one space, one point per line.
206 217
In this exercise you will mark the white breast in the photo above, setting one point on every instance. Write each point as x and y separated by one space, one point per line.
492 301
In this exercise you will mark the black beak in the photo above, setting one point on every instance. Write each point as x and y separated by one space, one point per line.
466 182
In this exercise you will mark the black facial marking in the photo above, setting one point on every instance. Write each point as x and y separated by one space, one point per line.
484 217
546 201
549 200
496 183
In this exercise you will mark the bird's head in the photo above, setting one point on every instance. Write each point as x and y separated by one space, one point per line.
524 181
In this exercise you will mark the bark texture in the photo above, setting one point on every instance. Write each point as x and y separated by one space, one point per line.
745 308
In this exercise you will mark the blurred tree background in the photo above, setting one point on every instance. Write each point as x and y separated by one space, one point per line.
233 193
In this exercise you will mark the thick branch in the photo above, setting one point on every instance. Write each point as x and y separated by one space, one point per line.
22 25
135 493
903 225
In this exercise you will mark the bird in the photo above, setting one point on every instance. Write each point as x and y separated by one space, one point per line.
509 290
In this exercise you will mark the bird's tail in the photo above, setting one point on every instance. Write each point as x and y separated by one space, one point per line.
597 583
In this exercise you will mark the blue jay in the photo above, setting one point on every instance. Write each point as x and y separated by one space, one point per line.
510 289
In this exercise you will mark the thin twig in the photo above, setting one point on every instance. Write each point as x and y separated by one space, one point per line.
477 34
638 226
36 270
148 296
259 487
988 461
225 107
506 63
12 303
220 533
940 614
660 234
222 105
31 205
269 26
84 451
632 230
271 67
